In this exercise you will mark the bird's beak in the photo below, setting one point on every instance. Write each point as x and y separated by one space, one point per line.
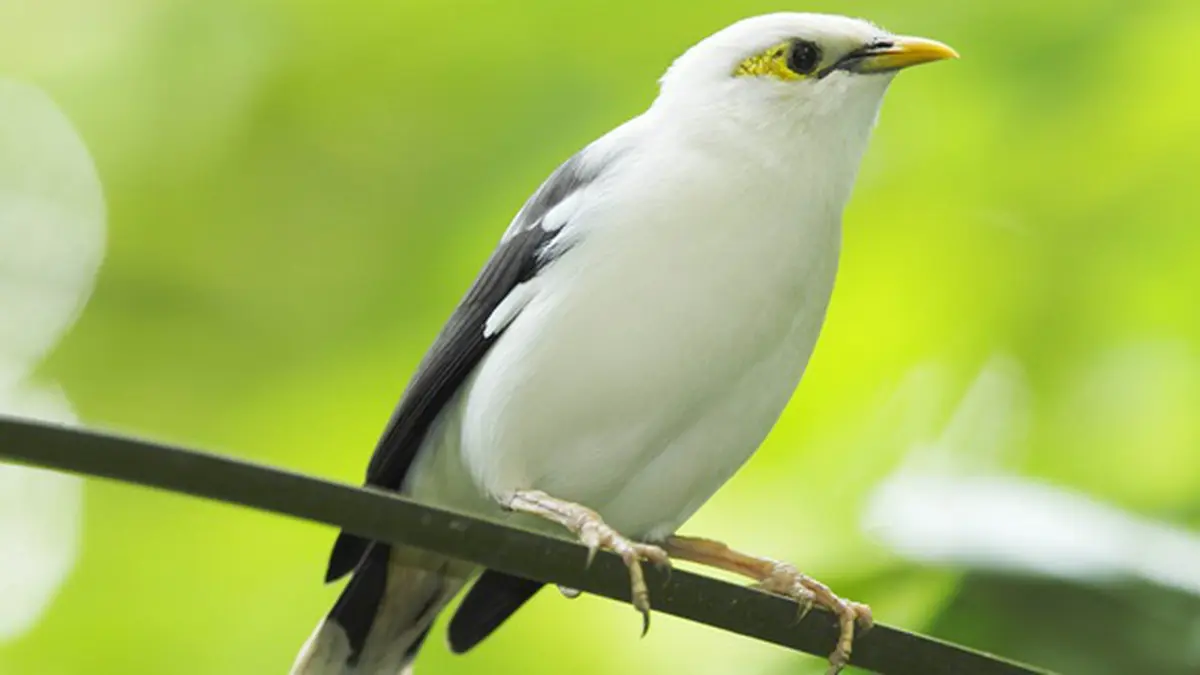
892 54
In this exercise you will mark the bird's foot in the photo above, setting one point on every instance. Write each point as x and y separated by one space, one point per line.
594 533
787 581
782 579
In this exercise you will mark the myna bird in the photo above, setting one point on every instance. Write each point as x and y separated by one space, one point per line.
638 330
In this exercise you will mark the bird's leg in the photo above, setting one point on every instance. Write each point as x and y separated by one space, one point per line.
780 578
594 533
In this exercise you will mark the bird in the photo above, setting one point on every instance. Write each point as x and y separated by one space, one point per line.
636 333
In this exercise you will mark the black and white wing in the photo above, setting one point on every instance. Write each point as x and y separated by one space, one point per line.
524 249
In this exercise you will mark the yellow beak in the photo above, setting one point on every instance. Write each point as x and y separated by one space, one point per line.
902 52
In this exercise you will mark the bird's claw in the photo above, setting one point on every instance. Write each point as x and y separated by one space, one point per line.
804 604
596 535
787 581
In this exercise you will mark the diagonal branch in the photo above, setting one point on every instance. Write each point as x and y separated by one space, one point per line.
384 516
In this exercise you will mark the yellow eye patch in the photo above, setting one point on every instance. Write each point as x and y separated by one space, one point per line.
771 63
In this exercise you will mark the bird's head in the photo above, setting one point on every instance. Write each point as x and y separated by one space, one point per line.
788 76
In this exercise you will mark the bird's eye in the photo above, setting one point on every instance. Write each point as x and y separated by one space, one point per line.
803 57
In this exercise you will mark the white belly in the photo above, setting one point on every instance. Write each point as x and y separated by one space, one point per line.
642 374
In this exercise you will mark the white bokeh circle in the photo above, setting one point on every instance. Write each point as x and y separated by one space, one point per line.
52 237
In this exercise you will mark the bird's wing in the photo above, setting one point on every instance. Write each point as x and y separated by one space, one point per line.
526 247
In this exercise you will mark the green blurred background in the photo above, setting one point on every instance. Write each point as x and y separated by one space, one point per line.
298 192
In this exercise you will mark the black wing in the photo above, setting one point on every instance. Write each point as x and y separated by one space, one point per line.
460 345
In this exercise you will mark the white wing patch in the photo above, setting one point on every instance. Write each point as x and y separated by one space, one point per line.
509 307
562 212
555 219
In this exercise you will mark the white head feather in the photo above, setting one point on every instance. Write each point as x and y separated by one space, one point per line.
826 117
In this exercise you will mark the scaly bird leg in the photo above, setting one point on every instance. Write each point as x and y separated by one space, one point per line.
594 533
782 579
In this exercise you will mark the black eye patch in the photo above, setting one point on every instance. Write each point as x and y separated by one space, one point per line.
850 61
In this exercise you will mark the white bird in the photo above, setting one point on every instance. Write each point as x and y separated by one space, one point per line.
634 337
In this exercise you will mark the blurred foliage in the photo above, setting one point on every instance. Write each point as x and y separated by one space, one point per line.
299 191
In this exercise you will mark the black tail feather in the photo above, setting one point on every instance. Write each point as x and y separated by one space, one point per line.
358 604
348 551
384 613
492 599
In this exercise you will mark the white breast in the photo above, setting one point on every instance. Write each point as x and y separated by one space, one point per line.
652 358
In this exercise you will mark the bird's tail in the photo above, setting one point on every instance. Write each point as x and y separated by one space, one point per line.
382 616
